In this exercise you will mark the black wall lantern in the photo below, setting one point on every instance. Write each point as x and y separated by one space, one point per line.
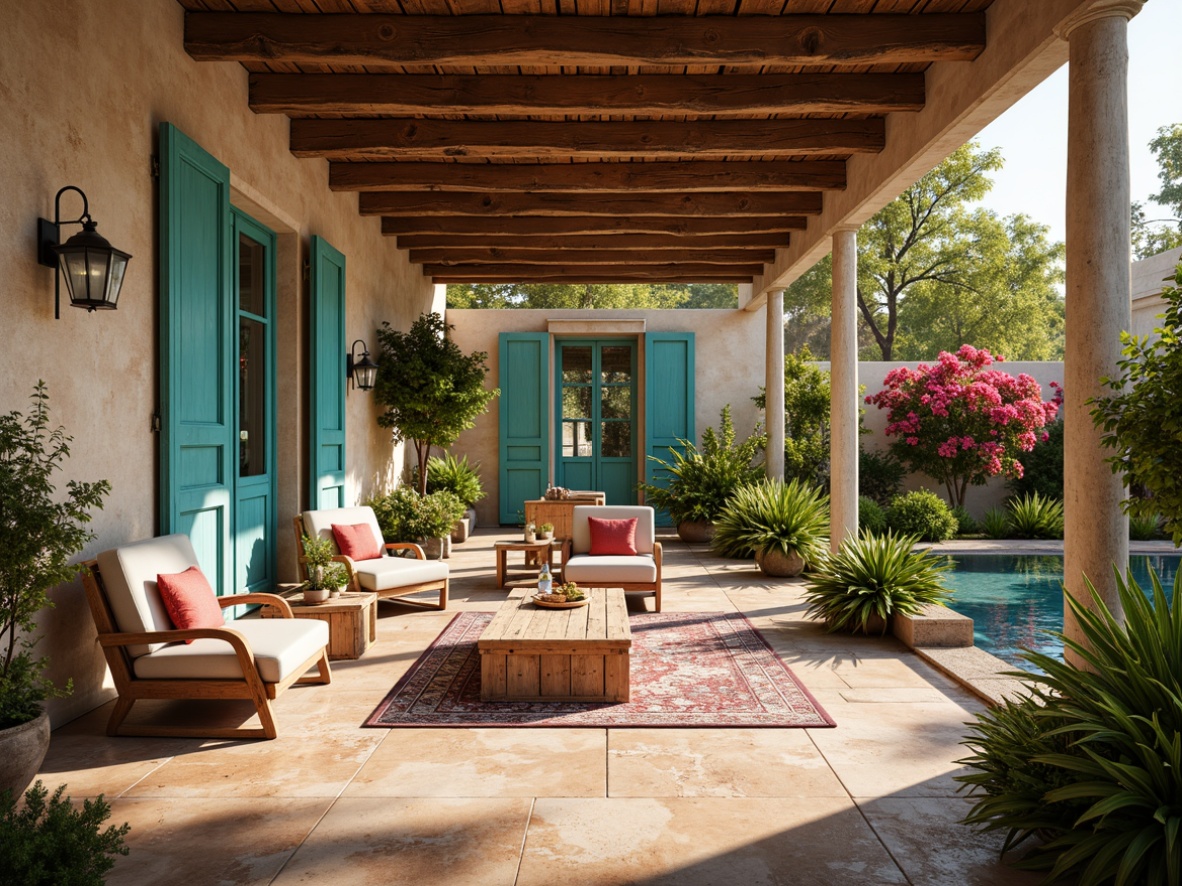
361 371
92 267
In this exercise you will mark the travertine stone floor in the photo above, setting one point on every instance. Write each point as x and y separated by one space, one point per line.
870 802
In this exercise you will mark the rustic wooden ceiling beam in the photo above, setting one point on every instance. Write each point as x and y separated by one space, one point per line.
396 95
447 277
567 41
589 242
411 138
603 273
693 175
458 257
551 227
417 203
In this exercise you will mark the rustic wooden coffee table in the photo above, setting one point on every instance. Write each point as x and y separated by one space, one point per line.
532 654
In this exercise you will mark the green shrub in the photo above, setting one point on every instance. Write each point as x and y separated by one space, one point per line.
457 476
700 482
880 475
965 524
996 523
772 515
404 515
1033 516
874 575
55 844
1107 738
871 516
1042 466
1144 528
922 514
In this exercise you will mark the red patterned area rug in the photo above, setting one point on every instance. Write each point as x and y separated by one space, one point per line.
689 669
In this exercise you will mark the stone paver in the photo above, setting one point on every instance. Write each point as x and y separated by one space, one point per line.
871 801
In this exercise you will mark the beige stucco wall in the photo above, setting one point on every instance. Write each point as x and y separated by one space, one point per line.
729 358
1149 278
83 87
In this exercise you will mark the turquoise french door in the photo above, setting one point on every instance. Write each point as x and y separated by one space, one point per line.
669 401
254 501
327 413
595 386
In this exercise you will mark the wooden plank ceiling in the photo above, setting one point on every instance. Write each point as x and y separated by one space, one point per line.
587 140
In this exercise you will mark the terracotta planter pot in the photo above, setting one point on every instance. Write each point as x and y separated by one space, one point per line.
876 626
695 532
778 565
22 748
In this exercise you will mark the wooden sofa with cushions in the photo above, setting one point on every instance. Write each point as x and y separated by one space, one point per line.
248 658
638 572
382 575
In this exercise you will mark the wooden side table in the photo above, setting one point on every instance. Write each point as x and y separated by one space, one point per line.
352 620
533 549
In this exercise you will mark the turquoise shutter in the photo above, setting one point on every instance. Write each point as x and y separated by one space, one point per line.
327 374
197 445
524 437
669 400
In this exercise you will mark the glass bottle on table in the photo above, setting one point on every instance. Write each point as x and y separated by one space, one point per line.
545 580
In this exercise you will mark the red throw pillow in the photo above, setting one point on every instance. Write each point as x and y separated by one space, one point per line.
190 601
613 536
356 541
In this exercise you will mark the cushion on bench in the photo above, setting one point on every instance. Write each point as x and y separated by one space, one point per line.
398 572
280 645
601 571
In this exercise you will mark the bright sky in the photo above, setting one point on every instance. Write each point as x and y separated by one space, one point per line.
1032 134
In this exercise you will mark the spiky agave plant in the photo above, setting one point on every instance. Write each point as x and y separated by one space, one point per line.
1103 743
874 575
1035 516
774 516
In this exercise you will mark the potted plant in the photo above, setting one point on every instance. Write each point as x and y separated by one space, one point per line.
786 526
325 577
546 531
457 476
699 482
531 533
40 530
404 515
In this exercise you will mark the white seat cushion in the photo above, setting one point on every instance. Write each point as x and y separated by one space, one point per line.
388 573
603 570
280 645
129 576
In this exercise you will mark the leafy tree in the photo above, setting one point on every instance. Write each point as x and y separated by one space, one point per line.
1142 419
960 421
431 390
1150 238
934 274
554 296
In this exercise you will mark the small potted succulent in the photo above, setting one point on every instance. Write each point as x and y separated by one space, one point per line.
546 531
325 577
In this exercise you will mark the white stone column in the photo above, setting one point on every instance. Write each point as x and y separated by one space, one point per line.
1098 291
843 390
774 384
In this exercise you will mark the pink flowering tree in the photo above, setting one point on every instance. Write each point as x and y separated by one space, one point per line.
962 421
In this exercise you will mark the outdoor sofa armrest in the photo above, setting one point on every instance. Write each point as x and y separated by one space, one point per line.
565 555
272 600
657 555
417 550
242 651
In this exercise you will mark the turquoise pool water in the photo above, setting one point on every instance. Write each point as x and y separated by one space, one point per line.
1014 601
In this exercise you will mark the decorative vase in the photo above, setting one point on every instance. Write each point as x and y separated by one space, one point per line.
22 748
531 535
695 532
775 563
547 536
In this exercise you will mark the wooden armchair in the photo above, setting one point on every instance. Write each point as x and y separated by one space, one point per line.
384 576
251 658
640 572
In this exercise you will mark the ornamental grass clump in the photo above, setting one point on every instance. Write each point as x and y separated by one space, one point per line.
1091 762
1033 516
455 475
872 578
784 518
962 422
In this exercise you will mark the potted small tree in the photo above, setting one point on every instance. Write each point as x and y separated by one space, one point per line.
325 577
40 530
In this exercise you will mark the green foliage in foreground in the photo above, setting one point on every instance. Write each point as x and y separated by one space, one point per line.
1091 762
54 843
923 514
699 483
874 575
404 515
790 517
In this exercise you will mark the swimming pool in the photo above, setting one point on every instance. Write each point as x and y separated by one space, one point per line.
1013 601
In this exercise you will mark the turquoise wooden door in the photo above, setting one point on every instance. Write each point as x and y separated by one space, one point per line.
669 400
595 386
524 360
198 421
327 385
254 498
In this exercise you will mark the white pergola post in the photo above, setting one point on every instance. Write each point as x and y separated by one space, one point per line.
843 390
774 385
1098 291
